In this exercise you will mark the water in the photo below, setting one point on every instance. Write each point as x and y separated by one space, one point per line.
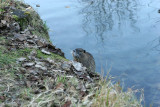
121 34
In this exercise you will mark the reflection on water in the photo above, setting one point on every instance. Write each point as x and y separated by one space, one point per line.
101 16
122 34
155 44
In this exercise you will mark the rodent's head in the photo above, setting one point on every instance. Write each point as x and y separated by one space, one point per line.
78 53
87 60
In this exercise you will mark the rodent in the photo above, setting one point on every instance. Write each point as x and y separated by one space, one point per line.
87 60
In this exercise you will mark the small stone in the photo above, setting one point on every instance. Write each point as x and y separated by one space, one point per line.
30 36
69 76
33 53
3 22
45 52
40 63
35 36
32 71
22 59
8 25
58 71
22 32
78 66
30 41
23 70
41 67
40 43
66 66
27 33
50 61
19 37
31 57
28 64
15 27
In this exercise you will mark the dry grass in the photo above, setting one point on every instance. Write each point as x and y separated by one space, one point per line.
112 95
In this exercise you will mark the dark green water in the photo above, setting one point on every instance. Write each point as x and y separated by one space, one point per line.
122 35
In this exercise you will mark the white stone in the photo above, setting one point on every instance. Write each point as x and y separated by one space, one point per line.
40 67
21 59
28 64
78 66
45 52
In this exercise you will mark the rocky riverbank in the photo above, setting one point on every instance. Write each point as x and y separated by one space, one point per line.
33 72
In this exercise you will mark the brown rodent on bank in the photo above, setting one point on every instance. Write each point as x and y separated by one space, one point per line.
87 60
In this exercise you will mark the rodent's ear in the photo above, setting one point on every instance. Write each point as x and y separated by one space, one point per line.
84 51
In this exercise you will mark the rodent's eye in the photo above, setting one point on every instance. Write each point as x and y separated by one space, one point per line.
84 51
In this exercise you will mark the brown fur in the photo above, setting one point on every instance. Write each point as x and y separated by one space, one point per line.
85 58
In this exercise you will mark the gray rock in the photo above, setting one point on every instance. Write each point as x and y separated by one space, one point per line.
22 59
41 67
31 57
23 70
50 61
33 53
40 43
19 37
40 63
60 71
3 22
45 52
26 31
15 27
78 66
30 41
34 72
66 66
30 36
28 64
35 36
